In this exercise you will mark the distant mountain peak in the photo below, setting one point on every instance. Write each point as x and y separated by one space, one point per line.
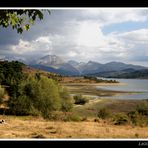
54 63
73 63
50 60
92 62
115 62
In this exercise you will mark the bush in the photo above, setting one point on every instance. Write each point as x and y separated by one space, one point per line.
11 72
120 119
137 118
2 92
134 117
142 108
41 95
103 113
66 100
80 100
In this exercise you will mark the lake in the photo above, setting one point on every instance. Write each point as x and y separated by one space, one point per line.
138 86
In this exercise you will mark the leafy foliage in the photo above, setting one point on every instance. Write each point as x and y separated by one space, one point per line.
66 100
79 99
11 75
120 119
39 96
36 94
135 117
10 72
20 19
32 94
142 107
2 92
103 113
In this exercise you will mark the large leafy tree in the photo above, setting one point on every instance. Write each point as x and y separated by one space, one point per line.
20 19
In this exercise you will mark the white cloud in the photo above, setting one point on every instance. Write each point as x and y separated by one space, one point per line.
78 35
22 47
90 35
135 43
90 44
41 45
110 16
136 36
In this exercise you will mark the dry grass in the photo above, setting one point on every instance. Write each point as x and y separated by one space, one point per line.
31 127
76 80
83 81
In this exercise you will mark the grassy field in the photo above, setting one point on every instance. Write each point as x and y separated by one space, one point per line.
37 127
83 125
31 127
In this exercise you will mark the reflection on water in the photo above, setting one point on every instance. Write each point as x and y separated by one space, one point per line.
138 86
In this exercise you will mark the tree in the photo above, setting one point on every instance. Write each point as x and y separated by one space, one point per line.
41 95
66 100
2 92
11 75
20 19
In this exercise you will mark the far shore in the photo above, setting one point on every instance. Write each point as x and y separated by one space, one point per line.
91 89
93 84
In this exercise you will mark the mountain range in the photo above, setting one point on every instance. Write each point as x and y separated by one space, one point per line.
53 63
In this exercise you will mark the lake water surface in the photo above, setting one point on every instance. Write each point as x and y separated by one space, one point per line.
138 86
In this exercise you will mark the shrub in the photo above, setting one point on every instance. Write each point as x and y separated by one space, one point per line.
80 100
103 113
2 92
96 120
11 75
134 117
120 119
66 100
41 95
137 118
136 135
142 108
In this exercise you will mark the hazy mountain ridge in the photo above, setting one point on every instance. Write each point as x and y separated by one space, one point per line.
53 63
50 60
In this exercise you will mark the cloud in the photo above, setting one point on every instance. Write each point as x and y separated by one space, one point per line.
109 16
136 44
77 34
136 36
37 48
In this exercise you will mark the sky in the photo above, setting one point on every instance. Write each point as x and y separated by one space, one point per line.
91 34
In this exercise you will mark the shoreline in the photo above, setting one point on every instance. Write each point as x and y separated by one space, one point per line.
93 84
91 89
